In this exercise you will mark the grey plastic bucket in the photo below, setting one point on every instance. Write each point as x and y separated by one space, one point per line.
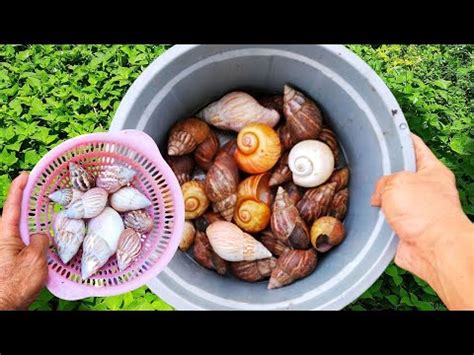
357 105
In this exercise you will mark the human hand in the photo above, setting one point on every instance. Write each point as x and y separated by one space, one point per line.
23 269
424 209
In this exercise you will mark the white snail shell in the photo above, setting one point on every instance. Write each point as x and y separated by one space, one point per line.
311 163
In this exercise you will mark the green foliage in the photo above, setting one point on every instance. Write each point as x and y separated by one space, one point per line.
50 93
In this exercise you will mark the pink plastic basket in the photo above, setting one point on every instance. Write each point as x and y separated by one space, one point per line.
154 178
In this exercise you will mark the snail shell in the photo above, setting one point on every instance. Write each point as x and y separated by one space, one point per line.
340 177
89 205
113 177
311 163
276 246
316 201
303 117
186 135
286 223
282 172
326 233
195 199
187 239
128 248
182 167
292 265
232 244
258 148
328 137
293 191
256 187
338 207
65 196
206 151
205 256
68 236
274 102
138 220
236 110
81 179
221 185
101 241
285 137
128 199
253 271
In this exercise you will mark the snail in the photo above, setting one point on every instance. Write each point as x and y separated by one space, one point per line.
113 177
338 207
292 265
128 249
253 271
254 196
258 148
311 163
316 201
326 233
127 199
89 205
81 179
232 244
186 135
303 117
65 196
340 177
293 191
182 167
195 199
281 172
328 137
221 185
236 110
206 151
187 238
68 235
138 220
285 137
275 245
286 223
205 256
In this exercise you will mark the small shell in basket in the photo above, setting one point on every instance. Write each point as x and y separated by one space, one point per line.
101 241
128 199
232 244
65 196
195 199
113 177
236 110
68 236
139 220
81 179
128 248
89 205
186 135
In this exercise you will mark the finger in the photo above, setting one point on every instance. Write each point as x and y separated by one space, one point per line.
39 243
424 156
12 207
376 199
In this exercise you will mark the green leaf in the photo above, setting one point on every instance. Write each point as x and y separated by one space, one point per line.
7 158
114 302
393 299
443 84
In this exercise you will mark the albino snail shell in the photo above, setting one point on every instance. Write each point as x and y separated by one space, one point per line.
81 179
113 177
232 244
311 162
101 241
65 196
89 205
68 235
128 199
128 248
236 110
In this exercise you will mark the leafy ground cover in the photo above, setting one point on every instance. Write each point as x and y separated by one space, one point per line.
51 93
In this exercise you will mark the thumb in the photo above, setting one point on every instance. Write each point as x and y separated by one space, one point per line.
424 156
39 243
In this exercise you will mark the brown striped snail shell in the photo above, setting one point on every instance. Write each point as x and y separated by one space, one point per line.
285 137
139 220
327 136
293 191
113 177
326 233
195 199
81 179
253 271
205 256
340 177
292 265
281 172
303 117
275 245
182 167
338 207
206 151
128 249
316 201
186 135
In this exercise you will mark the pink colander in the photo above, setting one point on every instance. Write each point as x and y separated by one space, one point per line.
154 178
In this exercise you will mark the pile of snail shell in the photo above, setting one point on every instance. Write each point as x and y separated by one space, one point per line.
272 198
103 214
